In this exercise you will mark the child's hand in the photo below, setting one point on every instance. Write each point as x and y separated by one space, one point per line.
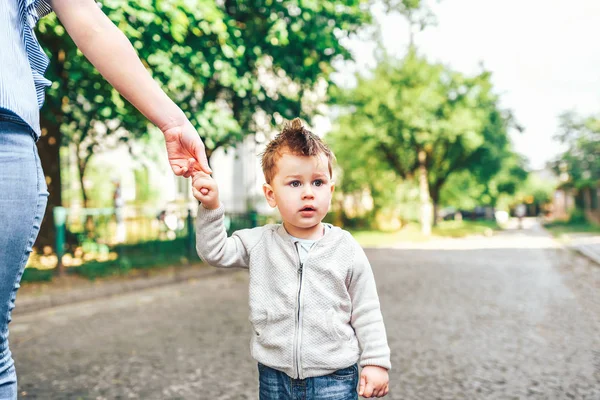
205 190
374 382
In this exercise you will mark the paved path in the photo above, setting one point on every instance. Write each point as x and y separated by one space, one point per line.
507 317
586 244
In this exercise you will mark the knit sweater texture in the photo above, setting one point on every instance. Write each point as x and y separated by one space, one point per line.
309 319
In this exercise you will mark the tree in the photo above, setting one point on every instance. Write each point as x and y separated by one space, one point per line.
579 164
464 190
222 62
426 121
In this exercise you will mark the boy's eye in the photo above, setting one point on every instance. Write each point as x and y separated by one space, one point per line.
318 182
295 183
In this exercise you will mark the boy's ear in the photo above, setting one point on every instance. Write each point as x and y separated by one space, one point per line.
332 187
269 195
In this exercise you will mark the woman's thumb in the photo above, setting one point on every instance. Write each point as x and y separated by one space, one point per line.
203 161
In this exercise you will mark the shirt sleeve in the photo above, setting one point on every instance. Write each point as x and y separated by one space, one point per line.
367 319
212 243
40 7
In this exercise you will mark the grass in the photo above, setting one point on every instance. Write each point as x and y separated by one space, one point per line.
412 233
560 228
457 229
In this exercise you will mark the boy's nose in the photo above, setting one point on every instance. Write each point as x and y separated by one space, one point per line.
308 193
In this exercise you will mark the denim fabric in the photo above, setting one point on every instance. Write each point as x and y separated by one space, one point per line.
23 198
276 385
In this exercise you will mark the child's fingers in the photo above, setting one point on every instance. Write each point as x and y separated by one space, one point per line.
361 387
368 392
203 182
201 193
200 175
187 172
197 193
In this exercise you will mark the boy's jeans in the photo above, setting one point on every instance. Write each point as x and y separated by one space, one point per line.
23 197
275 385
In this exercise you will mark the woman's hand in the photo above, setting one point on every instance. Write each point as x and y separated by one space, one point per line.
115 58
185 149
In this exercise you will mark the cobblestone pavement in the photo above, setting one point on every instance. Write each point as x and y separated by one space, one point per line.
507 317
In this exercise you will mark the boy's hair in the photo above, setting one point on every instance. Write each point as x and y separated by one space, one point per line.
299 141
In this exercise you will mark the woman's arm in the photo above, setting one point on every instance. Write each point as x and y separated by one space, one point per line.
112 54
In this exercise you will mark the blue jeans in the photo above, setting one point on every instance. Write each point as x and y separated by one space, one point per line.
23 198
275 385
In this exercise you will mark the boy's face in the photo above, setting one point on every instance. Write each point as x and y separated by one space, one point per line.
301 189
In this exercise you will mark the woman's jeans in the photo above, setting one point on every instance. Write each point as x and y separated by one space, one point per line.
275 385
23 198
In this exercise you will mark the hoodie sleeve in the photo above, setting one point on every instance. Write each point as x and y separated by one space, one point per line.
213 245
367 320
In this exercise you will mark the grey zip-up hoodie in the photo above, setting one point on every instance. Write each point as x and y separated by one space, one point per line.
311 319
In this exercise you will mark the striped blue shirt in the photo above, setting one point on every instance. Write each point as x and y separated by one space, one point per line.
22 60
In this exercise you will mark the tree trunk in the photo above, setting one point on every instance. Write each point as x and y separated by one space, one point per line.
587 199
81 166
426 210
48 148
435 199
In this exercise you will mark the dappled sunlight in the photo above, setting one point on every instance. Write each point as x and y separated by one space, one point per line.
530 236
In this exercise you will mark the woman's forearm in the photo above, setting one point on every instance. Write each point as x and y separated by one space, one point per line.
107 48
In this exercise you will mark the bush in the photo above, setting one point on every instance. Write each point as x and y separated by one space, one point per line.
95 269
37 275
577 216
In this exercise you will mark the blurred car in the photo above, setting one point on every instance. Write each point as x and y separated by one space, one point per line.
447 213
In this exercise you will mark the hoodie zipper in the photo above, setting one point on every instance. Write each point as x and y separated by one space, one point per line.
296 358
298 334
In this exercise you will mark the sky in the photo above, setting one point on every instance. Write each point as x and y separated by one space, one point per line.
543 54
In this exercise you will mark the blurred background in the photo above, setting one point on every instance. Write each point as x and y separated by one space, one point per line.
447 118
467 136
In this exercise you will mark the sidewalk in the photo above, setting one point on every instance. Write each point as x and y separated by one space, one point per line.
33 297
585 243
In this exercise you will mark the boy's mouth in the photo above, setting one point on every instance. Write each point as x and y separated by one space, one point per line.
307 209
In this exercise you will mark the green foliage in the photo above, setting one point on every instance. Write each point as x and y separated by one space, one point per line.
412 233
464 191
147 255
221 62
576 225
96 269
457 229
412 106
538 189
37 275
579 165
577 217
